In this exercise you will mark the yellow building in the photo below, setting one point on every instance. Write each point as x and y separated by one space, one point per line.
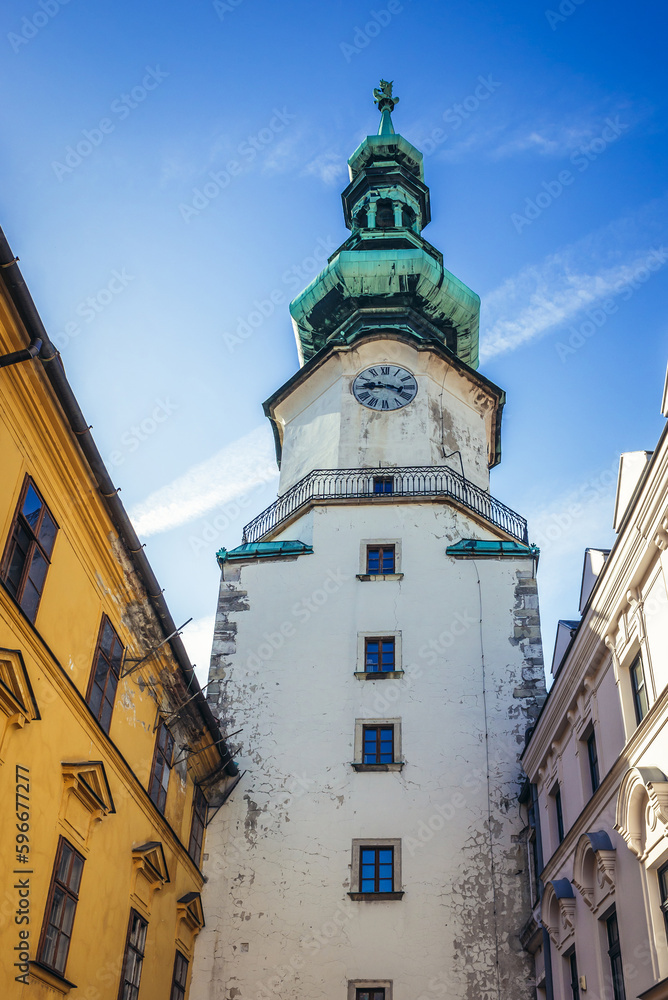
110 758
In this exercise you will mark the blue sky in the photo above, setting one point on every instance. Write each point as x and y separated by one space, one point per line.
170 173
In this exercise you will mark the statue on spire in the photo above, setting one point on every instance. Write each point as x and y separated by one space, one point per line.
383 96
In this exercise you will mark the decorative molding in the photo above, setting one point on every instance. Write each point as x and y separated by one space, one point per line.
17 701
594 868
558 911
189 921
642 809
149 874
86 798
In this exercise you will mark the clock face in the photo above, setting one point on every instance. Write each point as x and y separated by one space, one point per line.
385 387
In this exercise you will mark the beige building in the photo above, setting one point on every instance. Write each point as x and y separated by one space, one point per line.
597 765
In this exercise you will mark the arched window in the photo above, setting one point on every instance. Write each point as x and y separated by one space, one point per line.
407 217
361 220
384 215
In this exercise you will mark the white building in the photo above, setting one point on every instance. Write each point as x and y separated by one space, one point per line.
374 848
597 764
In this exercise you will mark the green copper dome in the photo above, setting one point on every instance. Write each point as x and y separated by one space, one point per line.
386 275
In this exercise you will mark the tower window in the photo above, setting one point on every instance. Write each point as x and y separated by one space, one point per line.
639 687
407 217
362 219
384 215
378 745
29 548
376 869
380 559
379 654
374 993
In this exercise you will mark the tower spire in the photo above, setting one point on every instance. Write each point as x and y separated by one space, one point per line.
385 101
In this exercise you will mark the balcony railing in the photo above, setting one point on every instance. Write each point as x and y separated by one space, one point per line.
375 484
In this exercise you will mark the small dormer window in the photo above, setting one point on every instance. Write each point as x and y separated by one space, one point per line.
384 215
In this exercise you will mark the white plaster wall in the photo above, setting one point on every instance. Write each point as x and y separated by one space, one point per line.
325 427
279 850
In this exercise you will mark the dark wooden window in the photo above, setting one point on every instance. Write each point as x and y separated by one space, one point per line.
639 686
379 559
370 993
573 970
592 755
198 825
663 889
180 977
615 954
162 763
133 958
383 484
61 906
105 674
559 814
379 654
378 745
376 869
29 547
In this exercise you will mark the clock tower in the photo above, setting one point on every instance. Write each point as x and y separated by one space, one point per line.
375 848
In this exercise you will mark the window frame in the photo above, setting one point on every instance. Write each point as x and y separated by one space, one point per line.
135 988
558 812
358 757
636 689
571 958
361 671
19 520
98 655
382 641
200 810
167 762
383 550
379 543
592 758
179 990
662 876
378 753
382 843
615 957
69 893
369 985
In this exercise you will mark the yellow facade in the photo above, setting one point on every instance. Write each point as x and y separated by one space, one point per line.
65 780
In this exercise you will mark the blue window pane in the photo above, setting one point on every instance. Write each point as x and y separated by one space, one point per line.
368 886
386 734
373 560
388 561
32 505
368 856
368 871
385 857
385 758
385 885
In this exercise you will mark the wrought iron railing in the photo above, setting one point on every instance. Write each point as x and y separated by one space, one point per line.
376 484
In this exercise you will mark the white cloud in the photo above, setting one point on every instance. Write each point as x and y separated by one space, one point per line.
330 167
548 294
223 477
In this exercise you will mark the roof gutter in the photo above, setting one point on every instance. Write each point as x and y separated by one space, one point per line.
53 368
